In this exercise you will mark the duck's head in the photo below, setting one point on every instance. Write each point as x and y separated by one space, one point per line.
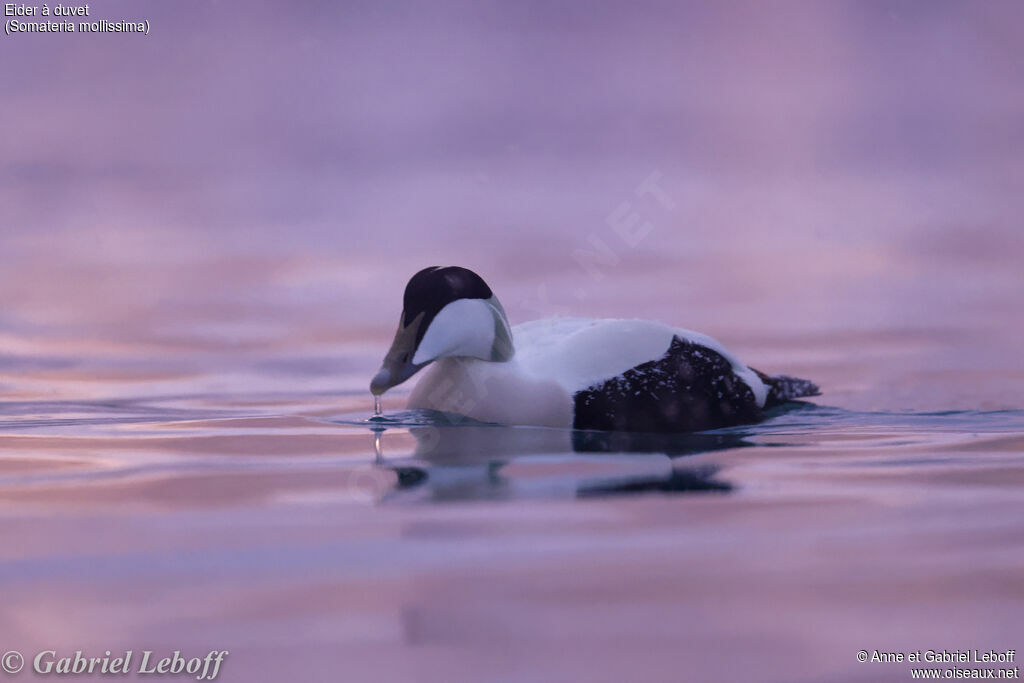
448 312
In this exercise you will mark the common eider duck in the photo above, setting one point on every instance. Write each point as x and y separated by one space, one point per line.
624 375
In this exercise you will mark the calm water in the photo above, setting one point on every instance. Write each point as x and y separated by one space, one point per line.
205 234
266 524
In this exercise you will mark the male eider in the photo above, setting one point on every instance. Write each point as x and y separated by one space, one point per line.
630 375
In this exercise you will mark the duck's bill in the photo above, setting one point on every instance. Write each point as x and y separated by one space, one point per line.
398 366
391 376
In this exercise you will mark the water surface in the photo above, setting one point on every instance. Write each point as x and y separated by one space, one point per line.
269 525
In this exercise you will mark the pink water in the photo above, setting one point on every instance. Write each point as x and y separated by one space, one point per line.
205 234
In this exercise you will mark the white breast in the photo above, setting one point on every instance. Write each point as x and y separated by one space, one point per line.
493 392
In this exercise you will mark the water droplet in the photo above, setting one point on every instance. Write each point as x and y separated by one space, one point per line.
377 407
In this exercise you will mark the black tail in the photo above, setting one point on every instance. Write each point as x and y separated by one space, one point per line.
782 388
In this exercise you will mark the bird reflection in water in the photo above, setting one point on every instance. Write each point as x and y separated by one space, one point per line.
488 462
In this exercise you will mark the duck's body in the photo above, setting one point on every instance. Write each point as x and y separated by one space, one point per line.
599 374
631 375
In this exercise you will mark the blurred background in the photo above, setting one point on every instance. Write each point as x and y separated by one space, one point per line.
236 201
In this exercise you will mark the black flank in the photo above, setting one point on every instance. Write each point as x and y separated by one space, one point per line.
690 388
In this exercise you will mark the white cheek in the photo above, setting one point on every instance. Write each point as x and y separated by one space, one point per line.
462 328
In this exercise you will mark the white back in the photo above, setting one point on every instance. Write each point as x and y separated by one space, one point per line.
580 352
